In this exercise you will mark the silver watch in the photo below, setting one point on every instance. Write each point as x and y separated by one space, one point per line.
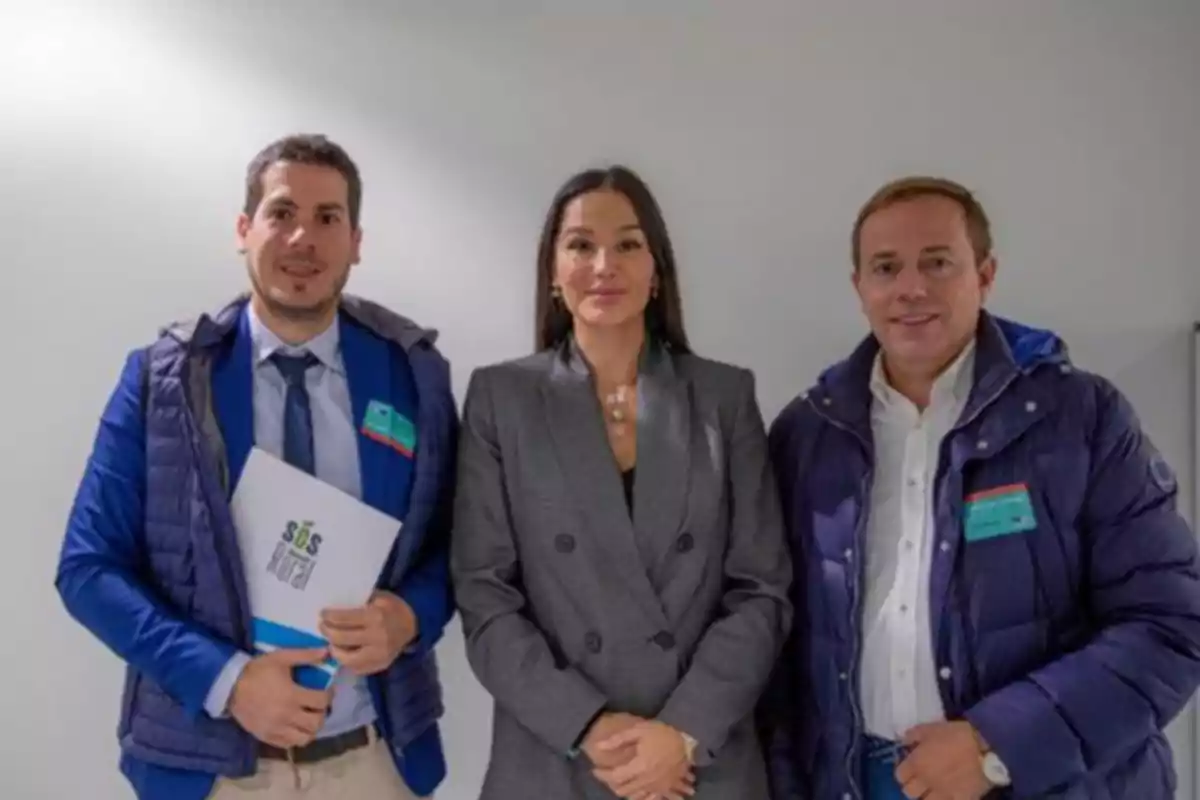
995 771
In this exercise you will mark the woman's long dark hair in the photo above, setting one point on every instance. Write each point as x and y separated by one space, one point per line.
664 313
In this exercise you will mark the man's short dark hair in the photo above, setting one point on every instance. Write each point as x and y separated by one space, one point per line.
304 148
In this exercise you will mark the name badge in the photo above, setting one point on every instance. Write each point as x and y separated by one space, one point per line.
1001 511
386 425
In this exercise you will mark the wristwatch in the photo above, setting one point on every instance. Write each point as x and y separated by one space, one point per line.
995 771
689 747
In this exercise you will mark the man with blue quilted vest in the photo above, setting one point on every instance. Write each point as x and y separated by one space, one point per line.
151 565
995 594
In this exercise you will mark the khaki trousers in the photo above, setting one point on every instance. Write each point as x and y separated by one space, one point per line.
367 772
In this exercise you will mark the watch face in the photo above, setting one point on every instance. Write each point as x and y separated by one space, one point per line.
995 771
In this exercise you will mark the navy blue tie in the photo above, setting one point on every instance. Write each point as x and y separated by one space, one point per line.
297 416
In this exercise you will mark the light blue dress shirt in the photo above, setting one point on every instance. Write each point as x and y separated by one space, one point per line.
335 447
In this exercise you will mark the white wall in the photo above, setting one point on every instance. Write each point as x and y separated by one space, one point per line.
125 133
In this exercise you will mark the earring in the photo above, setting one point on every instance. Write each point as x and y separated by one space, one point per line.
654 291
556 292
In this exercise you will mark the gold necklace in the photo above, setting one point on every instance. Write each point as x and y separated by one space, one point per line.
616 407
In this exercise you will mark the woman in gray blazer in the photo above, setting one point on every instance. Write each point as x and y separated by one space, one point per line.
618 552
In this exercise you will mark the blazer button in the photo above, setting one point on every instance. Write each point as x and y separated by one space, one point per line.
592 642
685 543
664 640
564 543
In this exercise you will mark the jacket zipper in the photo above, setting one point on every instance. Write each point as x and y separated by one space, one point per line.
204 457
853 769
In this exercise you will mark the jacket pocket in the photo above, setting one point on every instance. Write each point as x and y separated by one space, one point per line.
129 701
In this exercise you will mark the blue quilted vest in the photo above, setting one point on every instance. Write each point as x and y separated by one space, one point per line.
193 558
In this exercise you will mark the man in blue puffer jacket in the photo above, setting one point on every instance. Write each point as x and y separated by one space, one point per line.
995 594
151 564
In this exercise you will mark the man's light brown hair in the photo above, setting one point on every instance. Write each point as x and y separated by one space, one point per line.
979 230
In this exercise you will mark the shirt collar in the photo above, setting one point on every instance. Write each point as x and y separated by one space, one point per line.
954 384
325 345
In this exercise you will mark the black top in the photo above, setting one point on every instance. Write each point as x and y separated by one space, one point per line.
627 479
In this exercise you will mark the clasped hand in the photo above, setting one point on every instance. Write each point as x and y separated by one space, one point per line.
639 759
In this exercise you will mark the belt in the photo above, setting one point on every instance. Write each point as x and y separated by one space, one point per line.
319 749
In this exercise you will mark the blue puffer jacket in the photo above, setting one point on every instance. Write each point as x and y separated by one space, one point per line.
1069 646
150 561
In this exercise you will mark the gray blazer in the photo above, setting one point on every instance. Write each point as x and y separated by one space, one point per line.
570 606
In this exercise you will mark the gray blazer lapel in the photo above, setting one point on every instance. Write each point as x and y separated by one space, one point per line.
662 480
574 417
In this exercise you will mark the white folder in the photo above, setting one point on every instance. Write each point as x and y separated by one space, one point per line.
306 546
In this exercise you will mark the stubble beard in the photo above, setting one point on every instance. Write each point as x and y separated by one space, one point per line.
293 312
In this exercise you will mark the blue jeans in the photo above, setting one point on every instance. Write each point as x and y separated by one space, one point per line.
880 759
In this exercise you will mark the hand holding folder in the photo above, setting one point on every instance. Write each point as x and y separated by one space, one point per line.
367 640
268 703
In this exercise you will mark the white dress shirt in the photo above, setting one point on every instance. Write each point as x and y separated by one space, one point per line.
899 680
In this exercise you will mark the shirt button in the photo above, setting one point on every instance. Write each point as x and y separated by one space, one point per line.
1031 406
664 640
564 543
908 545
849 554
981 444
841 676
827 401
912 481
685 543
945 546
903 608
592 642
944 673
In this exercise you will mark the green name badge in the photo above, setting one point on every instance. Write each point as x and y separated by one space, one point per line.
403 433
999 512
388 426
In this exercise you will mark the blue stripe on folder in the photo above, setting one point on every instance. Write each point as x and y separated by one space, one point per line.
312 677
276 636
